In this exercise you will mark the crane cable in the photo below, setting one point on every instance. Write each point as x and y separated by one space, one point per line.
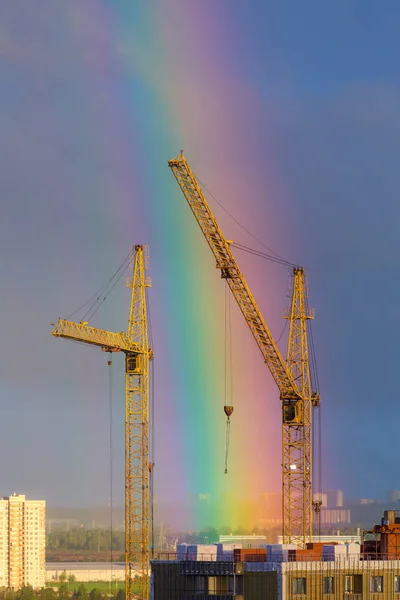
96 300
110 411
228 409
152 434
317 422
152 460
93 310
279 261
277 256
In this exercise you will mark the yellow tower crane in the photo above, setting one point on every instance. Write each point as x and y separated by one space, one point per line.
291 376
135 345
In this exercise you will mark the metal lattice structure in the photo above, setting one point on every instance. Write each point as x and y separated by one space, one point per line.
109 341
135 345
137 466
297 423
294 392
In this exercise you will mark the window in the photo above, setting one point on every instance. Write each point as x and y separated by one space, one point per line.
299 585
348 584
353 584
195 584
397 583
376 583
328 587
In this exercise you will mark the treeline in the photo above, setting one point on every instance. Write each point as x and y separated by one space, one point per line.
64 592
92 540
99 540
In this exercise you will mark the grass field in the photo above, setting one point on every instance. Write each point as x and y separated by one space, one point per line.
103 586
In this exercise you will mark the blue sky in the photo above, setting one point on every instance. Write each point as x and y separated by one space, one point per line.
328 77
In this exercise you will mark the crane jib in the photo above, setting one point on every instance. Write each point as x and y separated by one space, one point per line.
231 272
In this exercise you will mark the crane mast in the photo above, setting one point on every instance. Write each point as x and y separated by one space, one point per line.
135 345
292 383
137 465
297 423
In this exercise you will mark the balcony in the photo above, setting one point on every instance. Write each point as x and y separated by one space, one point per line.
197 567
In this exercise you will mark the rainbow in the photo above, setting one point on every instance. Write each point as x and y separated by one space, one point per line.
160 79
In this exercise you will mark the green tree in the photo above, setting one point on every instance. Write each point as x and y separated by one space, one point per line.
63 592
120 594
208 536
85 539
26 593
95 594
81 593
62 577
71 578
47 593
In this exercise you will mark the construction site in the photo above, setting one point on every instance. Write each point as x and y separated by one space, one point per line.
302 565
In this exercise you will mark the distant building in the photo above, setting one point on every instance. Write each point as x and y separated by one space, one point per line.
339 539
393 496
22 542
334 499
335 516
244 541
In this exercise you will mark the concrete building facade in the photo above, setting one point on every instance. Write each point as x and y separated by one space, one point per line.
318 580
22 542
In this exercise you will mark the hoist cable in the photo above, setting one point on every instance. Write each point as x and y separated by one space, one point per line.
110 409
226 344
317 420
320 470
228 426
228 371
152 460
230 348
152 430
149 319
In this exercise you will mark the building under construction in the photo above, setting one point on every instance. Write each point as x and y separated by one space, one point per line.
326 571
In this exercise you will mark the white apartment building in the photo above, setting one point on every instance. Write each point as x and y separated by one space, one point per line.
22 542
